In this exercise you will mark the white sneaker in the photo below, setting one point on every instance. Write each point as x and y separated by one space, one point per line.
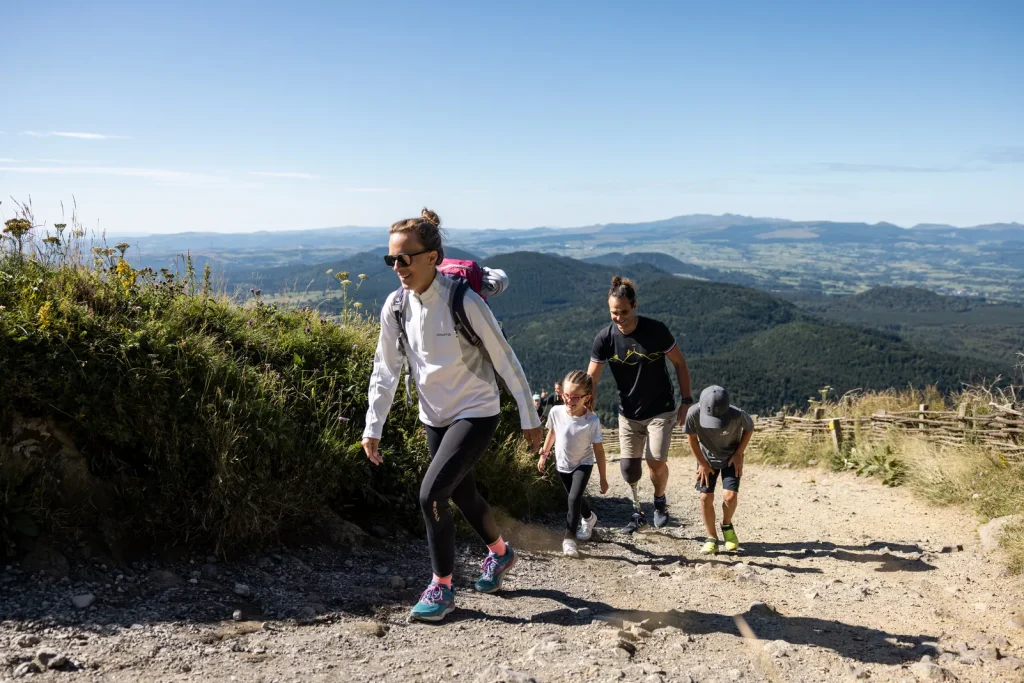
587 527
569 548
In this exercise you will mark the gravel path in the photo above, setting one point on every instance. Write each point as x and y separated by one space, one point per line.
837 579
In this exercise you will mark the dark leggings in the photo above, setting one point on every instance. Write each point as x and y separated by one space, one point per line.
575 484
454 451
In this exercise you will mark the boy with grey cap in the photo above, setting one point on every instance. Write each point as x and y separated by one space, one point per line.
718 433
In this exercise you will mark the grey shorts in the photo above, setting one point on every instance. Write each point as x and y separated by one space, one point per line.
650 438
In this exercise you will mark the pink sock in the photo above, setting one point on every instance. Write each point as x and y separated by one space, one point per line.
445 581
498 547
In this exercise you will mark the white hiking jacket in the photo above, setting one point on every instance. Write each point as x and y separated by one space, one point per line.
454 379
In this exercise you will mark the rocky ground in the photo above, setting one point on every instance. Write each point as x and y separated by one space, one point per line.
838 579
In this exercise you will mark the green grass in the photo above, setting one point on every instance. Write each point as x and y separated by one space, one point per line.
199 420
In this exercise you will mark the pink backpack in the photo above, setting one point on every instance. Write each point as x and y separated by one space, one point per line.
460 269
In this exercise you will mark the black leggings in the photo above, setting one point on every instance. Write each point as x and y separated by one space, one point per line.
575 484
454 451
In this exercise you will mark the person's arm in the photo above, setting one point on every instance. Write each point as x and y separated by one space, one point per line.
505 363
703 467
549 441
737 458
748 432
599 457
387 365
683 376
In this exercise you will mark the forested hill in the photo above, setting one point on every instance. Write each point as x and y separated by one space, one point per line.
767 351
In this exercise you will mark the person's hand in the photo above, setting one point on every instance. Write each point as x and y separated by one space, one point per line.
704 474
681 414
542 462
738 464
534 438
604 485
370 445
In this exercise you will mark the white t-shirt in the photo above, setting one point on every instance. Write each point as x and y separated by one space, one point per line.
574 438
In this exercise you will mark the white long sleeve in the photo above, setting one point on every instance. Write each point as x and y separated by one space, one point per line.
454 379
387 366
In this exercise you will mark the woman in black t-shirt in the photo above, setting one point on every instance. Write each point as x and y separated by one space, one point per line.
636 348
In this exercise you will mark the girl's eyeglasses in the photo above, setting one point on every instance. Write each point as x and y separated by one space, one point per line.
404 260
572 399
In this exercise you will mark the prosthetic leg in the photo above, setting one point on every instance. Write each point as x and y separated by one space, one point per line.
632 470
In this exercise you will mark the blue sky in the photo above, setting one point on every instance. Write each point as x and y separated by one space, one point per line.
265 116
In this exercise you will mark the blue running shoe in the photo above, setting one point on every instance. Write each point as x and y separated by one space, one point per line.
493 570
437 602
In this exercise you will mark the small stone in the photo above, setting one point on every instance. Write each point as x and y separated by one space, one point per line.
989 654
860 673
163 579
640 631
777 648
927 671
946 549
990 533
584 613
370 628
760 608
628 636
735 674
210 571
45 656
397 582
813 595
1012 663
186 668
57 662
83 601
812 463
627 647
237 615
26 640
26 668
243 590
947 658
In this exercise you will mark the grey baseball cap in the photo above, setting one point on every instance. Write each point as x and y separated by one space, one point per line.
714 407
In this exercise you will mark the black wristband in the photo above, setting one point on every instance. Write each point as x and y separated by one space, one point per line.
686 400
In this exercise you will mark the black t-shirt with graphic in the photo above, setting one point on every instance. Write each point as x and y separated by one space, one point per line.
637 361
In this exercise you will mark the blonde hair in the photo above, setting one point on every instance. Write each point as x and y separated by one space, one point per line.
427 229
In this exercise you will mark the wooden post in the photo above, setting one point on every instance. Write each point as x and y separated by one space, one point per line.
921 408
961 415
836 427
819 413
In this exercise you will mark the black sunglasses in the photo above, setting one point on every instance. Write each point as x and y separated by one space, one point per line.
404 260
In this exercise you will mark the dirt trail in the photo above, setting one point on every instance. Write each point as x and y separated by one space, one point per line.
851 575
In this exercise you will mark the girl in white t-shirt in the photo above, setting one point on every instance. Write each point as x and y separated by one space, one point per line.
576 434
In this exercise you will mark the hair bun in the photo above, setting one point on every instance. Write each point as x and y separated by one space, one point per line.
616 280
430 217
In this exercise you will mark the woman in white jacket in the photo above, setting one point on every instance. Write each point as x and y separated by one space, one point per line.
458 401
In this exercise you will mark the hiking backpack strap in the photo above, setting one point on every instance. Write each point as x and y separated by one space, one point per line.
398 311
458 307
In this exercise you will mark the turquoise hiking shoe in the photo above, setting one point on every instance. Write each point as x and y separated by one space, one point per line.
493 570
437 602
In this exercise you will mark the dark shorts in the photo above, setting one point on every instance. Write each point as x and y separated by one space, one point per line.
730 482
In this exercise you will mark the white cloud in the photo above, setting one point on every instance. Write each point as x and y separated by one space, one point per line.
79 136
284 174
157 174
372 189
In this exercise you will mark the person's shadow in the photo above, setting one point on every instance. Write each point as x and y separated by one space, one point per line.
861 643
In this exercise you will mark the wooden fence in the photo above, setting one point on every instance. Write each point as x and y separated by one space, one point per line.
1002 428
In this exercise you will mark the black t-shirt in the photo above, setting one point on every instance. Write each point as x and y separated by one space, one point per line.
637 362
